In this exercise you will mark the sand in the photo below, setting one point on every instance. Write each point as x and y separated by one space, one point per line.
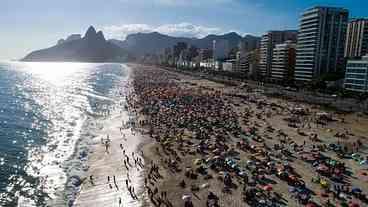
102 164
355 123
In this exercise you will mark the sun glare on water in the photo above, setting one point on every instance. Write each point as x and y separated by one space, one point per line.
55 73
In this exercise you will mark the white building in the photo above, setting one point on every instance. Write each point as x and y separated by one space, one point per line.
356 75
283 61
230 65
321 42
268 43
357 38
227 66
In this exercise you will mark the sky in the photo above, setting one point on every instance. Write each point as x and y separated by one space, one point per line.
27 25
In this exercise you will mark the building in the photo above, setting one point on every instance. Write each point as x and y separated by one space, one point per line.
205 54
249 43
283 61
356 75
357 38
247 63
252 63
268 43
230 65
220 49
321 42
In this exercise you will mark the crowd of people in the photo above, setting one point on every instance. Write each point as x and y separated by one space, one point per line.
202 135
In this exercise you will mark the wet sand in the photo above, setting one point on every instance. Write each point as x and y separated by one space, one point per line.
103 164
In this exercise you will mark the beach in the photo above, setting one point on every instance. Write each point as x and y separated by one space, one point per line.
201 143
233 146
104 183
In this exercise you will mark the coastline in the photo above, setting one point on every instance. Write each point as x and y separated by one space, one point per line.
102 164
174 156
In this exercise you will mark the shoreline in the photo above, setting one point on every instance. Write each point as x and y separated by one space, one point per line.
104 181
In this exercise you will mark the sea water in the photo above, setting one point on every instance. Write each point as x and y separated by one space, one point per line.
48 113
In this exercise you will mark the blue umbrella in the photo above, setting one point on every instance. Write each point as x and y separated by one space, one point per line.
364 162
356 190
291 189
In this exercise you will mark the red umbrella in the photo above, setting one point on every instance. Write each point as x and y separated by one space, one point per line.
292 177
354 205
311 205
267 187
322 168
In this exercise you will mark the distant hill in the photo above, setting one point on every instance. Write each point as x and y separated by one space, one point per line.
152 43
93 47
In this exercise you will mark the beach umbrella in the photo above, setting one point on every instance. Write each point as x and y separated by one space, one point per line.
355 156
343 196
354 205
364 162
311 205
197 161
324 183
344 204
187 197
267 187
322 167
216 157
333 162
293 177
356 190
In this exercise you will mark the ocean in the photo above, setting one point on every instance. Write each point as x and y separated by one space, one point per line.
47 114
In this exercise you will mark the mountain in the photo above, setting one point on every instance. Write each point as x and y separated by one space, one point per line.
148 43
249 43
152 43
232 39
93 47
70 38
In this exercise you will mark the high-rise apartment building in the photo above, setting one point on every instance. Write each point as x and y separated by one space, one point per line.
220 49
249 43
357 38
356 76
268 43
283 61
321 42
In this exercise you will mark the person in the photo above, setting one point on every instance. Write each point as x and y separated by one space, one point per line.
91 179
212 200
182 184
188 203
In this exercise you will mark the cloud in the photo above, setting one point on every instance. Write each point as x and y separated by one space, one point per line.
179 30
120 32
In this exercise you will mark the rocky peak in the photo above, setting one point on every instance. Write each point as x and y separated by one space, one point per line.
91 33
61 41
73 37
100 36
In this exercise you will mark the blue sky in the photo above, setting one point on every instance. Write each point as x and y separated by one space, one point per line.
26 25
